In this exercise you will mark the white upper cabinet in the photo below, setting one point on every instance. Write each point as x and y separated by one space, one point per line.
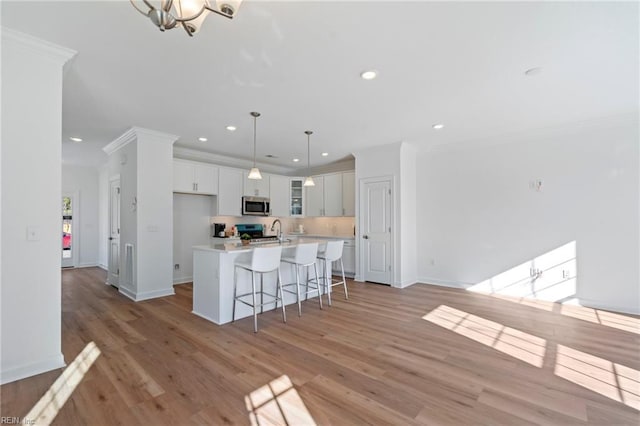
349 194
279 194
297 197
333 195
256 187
195 178
314 198
229 200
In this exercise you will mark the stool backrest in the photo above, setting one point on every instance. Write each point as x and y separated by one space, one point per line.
266 259
305 254
333 251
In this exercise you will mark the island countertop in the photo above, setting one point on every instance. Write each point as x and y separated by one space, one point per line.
237 247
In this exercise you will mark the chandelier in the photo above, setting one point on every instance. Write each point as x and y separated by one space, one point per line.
190 14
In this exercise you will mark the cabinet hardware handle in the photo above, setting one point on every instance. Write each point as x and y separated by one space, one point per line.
366 237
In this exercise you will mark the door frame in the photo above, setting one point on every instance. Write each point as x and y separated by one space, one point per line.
75 237
362 182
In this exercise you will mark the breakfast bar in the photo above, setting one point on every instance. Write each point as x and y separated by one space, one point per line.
213 275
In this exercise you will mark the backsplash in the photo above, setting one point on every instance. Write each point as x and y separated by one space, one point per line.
340 226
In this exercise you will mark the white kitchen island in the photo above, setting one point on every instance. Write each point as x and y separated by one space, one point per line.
213 269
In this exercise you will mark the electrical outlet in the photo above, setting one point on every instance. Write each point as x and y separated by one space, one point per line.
176 266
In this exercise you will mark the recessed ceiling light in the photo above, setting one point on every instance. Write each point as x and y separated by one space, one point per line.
295 160
533 71
369 75
231 128
438 126
324 154
271 156
74 139
203 139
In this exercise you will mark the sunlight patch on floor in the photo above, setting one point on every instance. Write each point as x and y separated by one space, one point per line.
277 403
520 345
597 316
615 381
54 399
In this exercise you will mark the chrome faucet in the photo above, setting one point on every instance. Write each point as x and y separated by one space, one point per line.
273 228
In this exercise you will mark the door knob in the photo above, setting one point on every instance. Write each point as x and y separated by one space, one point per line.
110 238
366 237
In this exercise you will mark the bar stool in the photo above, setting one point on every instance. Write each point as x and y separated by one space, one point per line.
332 253
304 256
263 260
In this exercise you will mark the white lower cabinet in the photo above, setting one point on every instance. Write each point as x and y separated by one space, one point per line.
348 259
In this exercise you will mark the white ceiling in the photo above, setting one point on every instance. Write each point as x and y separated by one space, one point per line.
298 63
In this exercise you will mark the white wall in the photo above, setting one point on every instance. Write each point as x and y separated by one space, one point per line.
191 226
31 189
397 161
155 212
84 182
477 216
144 161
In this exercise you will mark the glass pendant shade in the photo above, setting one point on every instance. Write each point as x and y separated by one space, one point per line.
254 173
309 181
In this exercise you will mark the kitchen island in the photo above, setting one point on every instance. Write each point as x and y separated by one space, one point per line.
213 274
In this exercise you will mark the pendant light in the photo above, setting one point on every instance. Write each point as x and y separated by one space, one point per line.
254 173
308 180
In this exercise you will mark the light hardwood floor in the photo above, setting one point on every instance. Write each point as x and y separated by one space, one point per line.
422 355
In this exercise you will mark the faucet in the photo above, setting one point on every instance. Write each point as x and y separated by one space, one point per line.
273 227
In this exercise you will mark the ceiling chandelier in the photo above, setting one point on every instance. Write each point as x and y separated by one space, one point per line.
254 173
308 180
190 14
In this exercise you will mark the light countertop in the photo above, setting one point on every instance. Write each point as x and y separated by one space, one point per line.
235 246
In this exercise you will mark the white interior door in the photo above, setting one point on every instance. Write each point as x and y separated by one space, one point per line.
69 236
113 276
375 216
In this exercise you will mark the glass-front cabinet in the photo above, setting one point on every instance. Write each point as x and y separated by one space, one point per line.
296 198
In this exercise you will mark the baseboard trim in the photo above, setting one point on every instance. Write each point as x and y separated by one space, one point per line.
87 265
596 305
444 283
183 280
205 317
28 370
101 266
138 297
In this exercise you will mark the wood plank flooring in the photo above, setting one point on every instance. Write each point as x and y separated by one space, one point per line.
422 355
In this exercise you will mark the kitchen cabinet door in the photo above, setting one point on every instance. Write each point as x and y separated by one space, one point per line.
314 198
349 194
229 200
279 194
183 174
332 195
206 179
256 187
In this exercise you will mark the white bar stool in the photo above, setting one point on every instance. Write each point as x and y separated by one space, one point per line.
332 253
263 260
304 256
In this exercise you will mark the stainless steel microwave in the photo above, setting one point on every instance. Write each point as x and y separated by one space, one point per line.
256 206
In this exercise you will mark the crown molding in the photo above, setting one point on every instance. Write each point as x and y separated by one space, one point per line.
156 135
224 160
133 134
54 52
121 141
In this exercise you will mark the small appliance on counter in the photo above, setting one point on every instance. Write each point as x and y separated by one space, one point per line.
218 229
256 231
